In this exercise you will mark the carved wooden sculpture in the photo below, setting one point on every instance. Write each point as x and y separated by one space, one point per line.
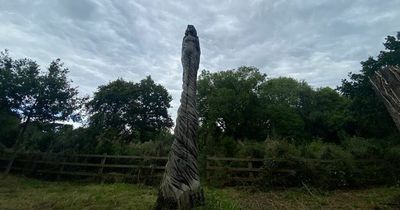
180 187
386 83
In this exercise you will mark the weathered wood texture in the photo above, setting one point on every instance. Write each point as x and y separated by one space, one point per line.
146 169
110 168
180 187
386 83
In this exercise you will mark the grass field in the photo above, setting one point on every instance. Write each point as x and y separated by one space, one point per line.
24 193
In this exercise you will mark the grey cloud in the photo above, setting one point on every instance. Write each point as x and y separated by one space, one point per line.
318 41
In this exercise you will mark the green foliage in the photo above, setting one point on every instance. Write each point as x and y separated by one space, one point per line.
159 147
218 200
251 149
35 96
228 102
24 193
109 106
328 118
80 140
295 171
285 121
370 116
286 91
229 147
129 111
9 128
393 154
285 103
243 104
325 151
362 148
280 149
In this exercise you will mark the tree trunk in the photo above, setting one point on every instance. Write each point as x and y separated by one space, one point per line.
180 187
16 145
386 83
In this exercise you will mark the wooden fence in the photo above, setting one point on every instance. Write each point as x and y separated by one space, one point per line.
145 169
250 170
114 168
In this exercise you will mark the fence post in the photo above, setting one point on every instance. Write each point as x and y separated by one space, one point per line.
139 171
60 171
250 167
207 168
34 159
100 172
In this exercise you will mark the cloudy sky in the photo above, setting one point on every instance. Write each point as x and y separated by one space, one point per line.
99 41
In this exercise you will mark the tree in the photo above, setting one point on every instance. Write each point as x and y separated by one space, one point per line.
286 103
109 108
35 96
228 102
151 116
369 113
131 110
329 119
9 128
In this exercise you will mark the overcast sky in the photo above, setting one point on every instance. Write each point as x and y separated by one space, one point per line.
100 41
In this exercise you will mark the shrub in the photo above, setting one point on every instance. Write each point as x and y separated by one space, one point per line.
251 149
362 148
282 164
149 148
334 167
326 151
393 168
280 149
228 147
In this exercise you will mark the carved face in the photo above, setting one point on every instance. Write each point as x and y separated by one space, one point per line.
191 31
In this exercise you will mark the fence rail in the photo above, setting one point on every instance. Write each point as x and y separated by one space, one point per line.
147 169
100 167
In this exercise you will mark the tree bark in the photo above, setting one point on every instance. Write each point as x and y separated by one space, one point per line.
180 187
386 83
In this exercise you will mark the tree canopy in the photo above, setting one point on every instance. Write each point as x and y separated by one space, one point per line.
369 113
36 96
131 110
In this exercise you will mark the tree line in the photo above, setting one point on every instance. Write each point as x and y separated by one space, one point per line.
236 107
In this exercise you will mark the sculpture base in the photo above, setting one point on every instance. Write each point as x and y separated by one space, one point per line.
188 200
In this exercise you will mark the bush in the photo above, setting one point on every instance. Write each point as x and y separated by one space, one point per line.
280 149
159 147
228 147
278 172
149 148
334 167
330 166
326 151
251 149
362 148
393 169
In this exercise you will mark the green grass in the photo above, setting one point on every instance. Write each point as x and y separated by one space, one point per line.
301 198
24 193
